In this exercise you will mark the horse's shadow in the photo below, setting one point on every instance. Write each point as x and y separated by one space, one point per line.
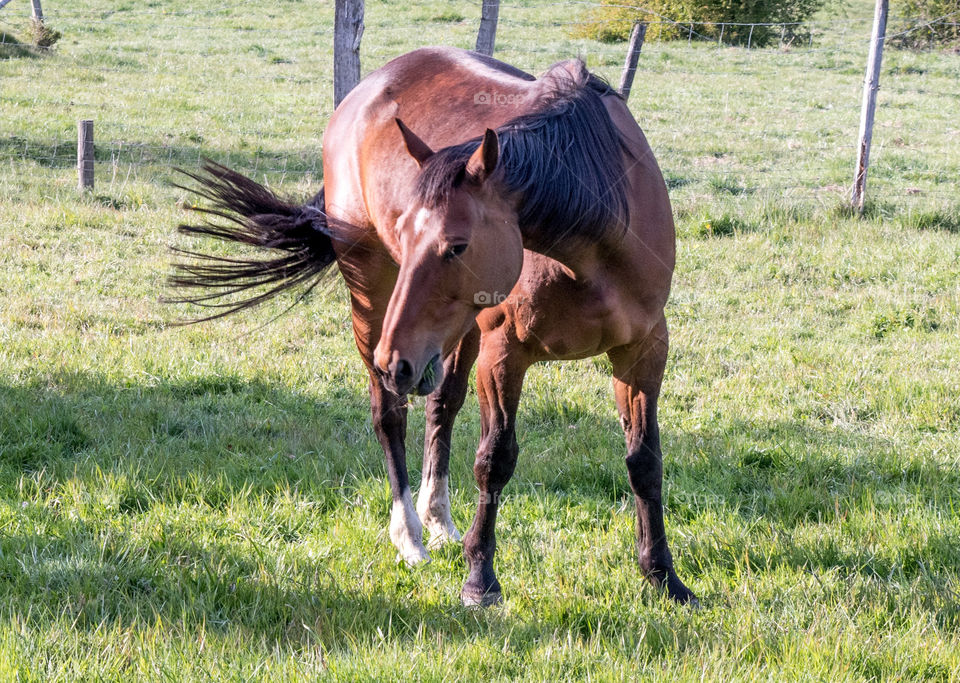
73 424
211 440
203 443
782 476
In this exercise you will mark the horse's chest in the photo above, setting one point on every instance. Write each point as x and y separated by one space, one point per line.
568 319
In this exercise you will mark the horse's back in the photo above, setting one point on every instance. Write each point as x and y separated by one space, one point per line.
427 63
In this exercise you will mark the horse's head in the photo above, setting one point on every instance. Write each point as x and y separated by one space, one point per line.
461 252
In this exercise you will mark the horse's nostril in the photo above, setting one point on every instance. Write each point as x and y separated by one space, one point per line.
403 371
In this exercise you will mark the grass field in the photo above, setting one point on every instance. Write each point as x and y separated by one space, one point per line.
210 502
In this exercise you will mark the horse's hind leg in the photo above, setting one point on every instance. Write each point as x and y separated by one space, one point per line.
500 374
637 374
433 500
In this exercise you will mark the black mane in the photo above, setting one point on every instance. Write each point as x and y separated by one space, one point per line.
564 161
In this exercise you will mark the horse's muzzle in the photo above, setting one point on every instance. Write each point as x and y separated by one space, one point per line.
431 376
402 378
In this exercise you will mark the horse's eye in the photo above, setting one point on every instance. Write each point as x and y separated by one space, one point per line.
454 251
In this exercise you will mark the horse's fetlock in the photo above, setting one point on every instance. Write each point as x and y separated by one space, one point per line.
655 565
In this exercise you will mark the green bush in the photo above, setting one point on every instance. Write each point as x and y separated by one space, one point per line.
43 36
613 20
938 33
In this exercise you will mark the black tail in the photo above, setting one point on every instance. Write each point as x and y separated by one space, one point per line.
255 216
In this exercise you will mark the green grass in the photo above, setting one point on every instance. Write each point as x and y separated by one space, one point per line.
210 502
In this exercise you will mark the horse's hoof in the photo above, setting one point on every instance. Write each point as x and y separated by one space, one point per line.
441 536
413 556
680 593
471 598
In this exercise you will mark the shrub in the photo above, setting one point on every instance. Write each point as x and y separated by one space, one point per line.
43 36
613 20
942 33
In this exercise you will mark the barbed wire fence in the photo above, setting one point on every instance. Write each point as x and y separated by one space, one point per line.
760 89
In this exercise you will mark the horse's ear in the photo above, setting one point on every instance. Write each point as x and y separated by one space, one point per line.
483 161
418 149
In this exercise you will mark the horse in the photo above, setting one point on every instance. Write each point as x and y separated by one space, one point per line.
479 216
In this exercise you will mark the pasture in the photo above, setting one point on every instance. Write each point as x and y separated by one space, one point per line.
211 502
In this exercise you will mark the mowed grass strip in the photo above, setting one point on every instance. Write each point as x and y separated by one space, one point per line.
210 501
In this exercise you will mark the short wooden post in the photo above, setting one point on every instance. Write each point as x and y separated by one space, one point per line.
347 31
637 35
85 154
871 84
486 36
37 11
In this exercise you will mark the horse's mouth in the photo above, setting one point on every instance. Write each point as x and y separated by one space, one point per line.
431 377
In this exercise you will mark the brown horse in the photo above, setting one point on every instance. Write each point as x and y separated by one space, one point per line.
525 220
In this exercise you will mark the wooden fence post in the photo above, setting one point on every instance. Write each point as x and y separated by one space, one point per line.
347 31
871 83
85 154
637 35
37 11
489 13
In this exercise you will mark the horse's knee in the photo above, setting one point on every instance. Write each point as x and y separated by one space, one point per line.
496 461
443 408
444 404
389 418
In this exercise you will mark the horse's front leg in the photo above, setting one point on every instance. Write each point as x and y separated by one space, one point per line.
433 500
370 274
500 374
390 424
637 375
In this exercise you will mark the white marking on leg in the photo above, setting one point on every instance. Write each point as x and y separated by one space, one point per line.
406 531
433 504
